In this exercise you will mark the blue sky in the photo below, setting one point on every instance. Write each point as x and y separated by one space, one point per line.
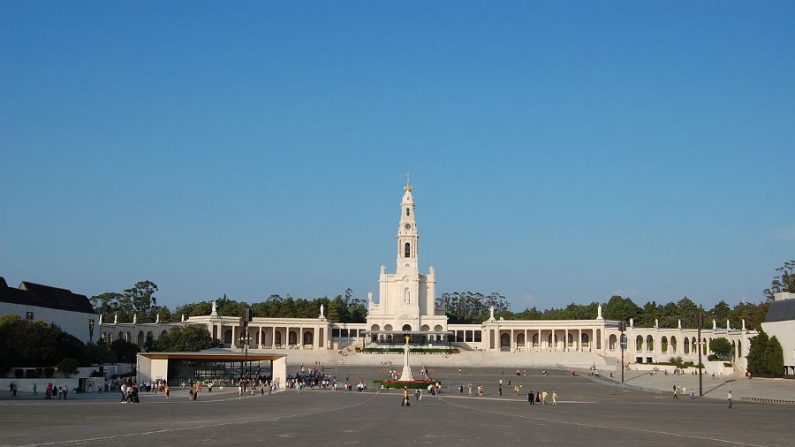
560 151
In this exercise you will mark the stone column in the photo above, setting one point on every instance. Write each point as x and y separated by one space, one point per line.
259 338
566 343
540 341
579 339
554 340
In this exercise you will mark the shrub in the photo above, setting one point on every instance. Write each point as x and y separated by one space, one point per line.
68 366
712 357
394 384
728 364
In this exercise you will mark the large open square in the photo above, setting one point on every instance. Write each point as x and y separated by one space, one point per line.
587 413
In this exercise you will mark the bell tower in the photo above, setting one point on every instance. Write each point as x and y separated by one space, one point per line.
407 236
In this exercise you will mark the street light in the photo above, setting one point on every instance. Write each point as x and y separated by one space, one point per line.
244 337
699 320
622 326
90 331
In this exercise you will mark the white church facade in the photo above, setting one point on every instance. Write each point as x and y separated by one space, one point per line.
406 306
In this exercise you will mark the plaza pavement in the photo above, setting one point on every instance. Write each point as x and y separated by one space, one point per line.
717 387
588 414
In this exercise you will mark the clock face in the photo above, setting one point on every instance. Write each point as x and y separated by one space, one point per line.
407 226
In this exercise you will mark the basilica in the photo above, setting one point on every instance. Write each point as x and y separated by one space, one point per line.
405 311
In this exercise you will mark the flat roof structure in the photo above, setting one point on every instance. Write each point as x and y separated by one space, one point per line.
160 365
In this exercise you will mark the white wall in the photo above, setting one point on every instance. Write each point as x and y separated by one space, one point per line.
74 323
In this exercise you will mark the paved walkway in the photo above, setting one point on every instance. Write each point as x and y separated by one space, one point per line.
717 388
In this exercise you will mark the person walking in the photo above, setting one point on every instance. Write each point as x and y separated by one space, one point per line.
405 402
531 397
730 398
554 397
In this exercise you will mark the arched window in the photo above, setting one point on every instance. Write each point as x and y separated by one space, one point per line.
407 296
407 250
408 212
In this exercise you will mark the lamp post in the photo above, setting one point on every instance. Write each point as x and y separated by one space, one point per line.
90 331
622 326
244 337
699 320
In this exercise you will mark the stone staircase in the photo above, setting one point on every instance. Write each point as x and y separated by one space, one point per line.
558 360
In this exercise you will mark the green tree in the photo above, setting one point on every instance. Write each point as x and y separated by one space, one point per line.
774 357
124 351
721 312
721 347
138 300
337 310
756 353
753 314
68 366
189 338
622 309
35 343
784 281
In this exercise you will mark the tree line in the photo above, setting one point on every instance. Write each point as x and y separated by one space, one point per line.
460 307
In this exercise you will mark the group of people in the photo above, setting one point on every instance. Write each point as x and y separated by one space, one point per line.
129 392
61 391
684 392
540 397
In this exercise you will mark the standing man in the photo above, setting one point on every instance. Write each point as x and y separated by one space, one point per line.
730 399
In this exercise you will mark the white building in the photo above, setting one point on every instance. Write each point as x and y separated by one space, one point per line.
406 307
69 311
780 322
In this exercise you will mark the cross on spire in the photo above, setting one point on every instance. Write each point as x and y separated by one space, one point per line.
408 181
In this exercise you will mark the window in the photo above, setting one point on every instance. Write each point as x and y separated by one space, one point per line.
407 296
408 212
468 336
407 250
478 337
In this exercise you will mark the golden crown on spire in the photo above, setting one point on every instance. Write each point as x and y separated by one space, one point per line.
407 188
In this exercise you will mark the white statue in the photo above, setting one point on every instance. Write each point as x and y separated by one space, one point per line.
183 318
116 318
406 376
728 327
157 318
321 312
599 312
383 270
714 325
679 324
491 312
369 297
656 324
135 318
743 323
431 271
215 309
100 319
631 322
